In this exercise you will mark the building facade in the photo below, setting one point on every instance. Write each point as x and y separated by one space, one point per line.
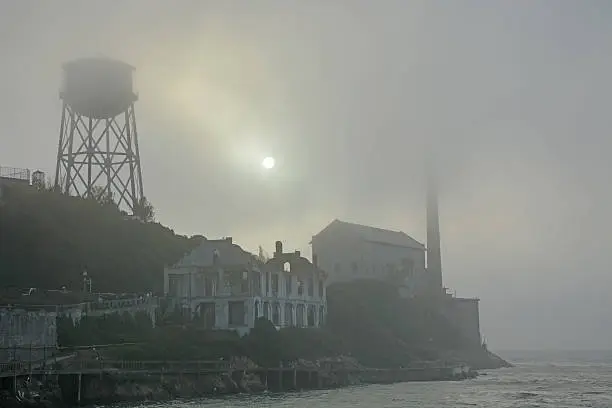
348 251
221 286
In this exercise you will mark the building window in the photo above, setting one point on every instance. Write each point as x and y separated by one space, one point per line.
289 315
256 311
207 314
265 284
244 284
320 288
311 315
199 285
288 285
300 287
236 313
174 286
275 284
310 287
208 286
287 267
299 314
256 285
276 314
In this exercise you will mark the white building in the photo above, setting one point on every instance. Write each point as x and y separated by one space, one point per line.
350 251
225 287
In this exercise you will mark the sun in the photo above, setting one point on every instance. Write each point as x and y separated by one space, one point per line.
268 163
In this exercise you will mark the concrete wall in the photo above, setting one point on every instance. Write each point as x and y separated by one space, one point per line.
346 259
20 328
465 315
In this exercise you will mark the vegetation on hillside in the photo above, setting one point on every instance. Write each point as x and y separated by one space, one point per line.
49 239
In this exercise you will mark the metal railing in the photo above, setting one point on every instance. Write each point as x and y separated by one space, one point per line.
25 367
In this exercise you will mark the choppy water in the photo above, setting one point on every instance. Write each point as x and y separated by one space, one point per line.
557 380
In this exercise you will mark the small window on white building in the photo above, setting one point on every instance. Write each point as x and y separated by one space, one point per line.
287 267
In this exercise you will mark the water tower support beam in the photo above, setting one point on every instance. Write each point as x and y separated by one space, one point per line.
106 153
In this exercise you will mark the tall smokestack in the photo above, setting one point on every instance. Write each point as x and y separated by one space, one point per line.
434 257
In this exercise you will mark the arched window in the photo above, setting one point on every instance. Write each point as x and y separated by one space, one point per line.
287 267
276 311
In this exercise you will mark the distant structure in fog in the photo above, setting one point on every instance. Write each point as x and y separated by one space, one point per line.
14 175
98 141
463 313
348 251
20 176
434 256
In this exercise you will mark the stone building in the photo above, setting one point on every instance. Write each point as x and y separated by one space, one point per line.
224 287
27 335
349 251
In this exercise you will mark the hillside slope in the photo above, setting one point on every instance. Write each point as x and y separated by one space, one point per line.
48 239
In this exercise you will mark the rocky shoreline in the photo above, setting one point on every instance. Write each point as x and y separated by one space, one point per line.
112 388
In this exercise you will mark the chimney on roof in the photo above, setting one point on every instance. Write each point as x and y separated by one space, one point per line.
298 253
279 249
229 240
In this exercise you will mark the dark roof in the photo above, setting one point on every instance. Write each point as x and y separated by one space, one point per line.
372 234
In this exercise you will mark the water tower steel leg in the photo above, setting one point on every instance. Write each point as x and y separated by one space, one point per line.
139 169
109 158
90 148
70 158
60 147
130 160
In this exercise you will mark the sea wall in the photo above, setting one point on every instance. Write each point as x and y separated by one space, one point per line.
20 329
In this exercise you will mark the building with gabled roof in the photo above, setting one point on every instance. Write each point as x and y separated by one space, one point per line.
349 251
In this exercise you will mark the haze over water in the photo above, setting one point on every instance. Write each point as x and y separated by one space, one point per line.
540 379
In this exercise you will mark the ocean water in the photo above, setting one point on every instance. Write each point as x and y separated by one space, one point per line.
549 379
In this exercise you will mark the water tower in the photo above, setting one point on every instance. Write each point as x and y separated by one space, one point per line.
98 154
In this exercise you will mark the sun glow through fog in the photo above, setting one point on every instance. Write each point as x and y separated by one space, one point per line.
268 163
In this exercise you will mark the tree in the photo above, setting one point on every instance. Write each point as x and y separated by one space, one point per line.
104 197
144 210
262 256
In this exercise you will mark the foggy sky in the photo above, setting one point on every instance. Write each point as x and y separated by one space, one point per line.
345 94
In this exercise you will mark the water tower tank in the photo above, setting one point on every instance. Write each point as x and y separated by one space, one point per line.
98 88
